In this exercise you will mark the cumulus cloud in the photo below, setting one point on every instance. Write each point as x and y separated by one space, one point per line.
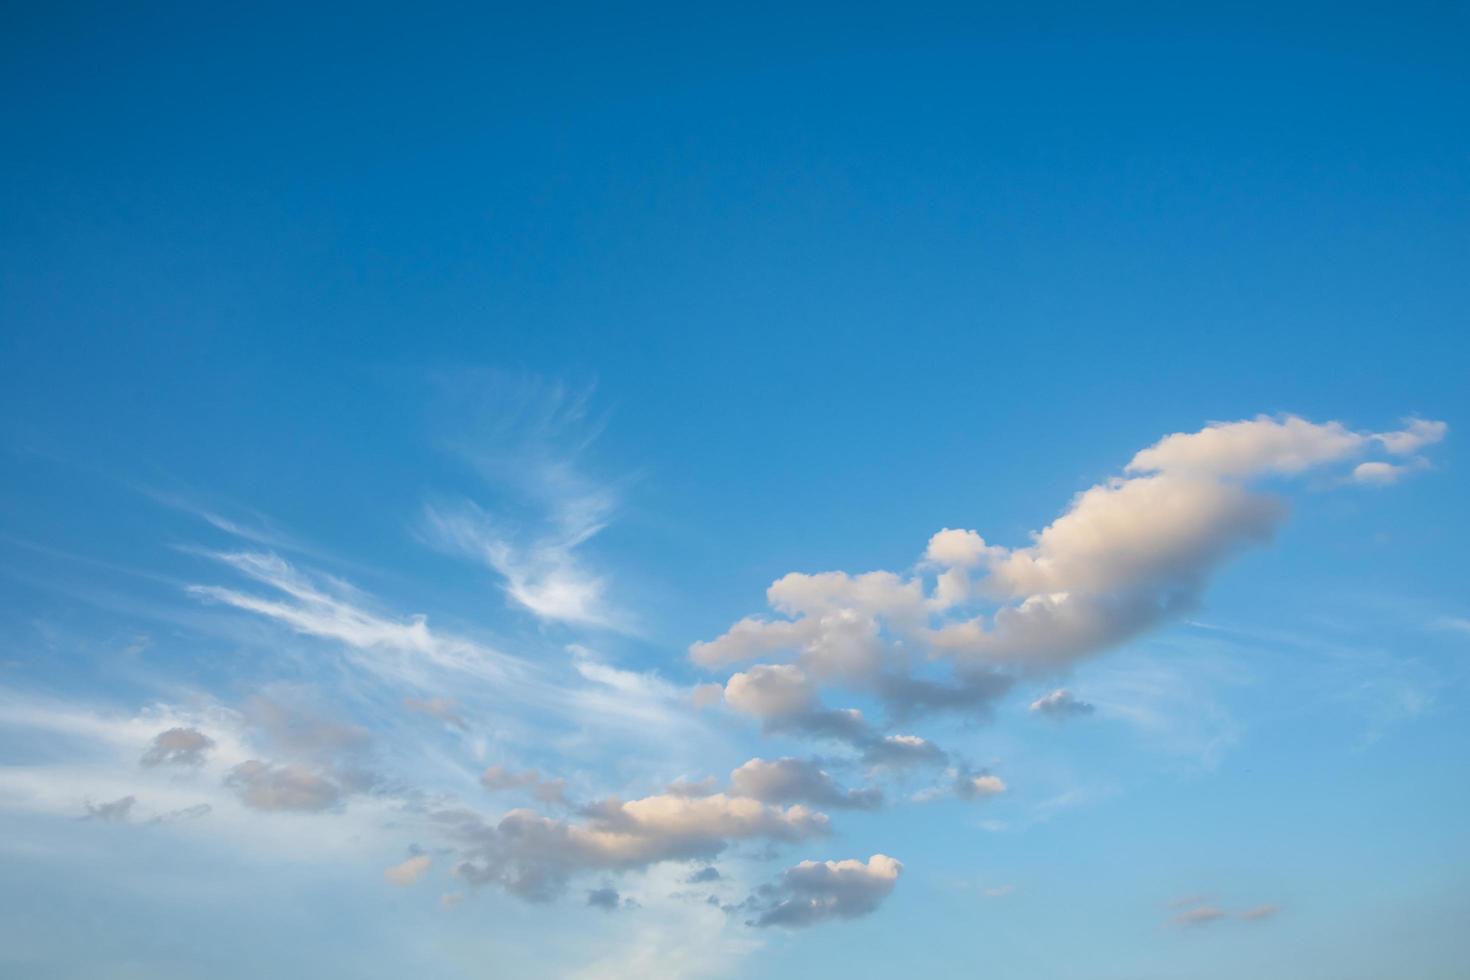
533 856
798 781
264 786
1380 474
817 891
1125 554
178 747
771 691
408 872
704 875
1061 704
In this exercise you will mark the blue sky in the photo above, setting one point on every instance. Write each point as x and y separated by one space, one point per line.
733 493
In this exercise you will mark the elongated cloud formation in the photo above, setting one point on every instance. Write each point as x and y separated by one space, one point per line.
533 856
1125 555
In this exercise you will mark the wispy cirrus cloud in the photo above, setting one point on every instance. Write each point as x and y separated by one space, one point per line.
528 439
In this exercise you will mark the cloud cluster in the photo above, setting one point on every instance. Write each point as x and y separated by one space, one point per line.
1125 554
533 856
817 891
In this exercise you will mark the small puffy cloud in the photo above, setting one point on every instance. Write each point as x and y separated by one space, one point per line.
117 811
817 891
177 747
963 549
445 709
1260 912
999 891
498 778
1123 556
798 781
408 872
1379 474
1061 704
983 786
264 786
606 899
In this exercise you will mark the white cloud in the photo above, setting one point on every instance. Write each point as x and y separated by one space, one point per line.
544 576
1262 445
770 691
1125 555
401 651
956 547
1416 434
529 438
